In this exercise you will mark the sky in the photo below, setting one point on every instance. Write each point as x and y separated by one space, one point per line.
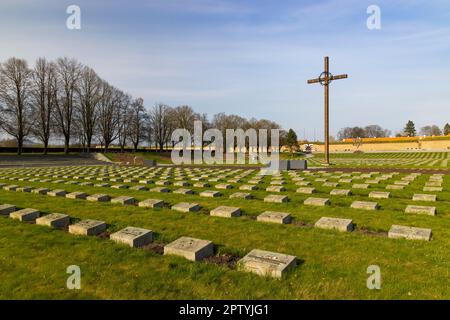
253 57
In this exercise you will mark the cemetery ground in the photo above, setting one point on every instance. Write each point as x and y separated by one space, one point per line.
330 264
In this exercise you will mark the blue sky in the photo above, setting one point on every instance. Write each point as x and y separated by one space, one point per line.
253 58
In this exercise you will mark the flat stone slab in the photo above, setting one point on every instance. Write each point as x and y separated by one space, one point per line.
364 205
303 183
360 186
330 184
379 195
98 197
275 217
159 189
317 201
139 188
225 212
6 209
120 186
11 188
201 185
88 227
432 189
55 220
27 214
223 186
162 183
248 187
181 183
76 195
433 184
151 203
183 191
431 211
133 237
186 207
424 197
190 248
266 263
344 225
276 198
124 200
402 182
210 194
345 180
25 189
241 195
306 190
410 233
275 189
57 193
394 187
340 192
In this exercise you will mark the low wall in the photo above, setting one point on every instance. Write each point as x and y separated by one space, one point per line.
438 145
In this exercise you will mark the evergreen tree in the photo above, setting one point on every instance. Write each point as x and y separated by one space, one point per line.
410 129
447 129
291 140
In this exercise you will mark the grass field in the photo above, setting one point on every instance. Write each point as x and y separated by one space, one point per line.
332 265
423 160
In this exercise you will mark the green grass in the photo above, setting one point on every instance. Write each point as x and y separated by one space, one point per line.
416 160
33 259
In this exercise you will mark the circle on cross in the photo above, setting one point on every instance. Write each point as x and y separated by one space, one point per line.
325 78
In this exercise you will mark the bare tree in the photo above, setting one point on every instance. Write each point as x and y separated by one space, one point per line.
88 92
43 100
15 107
160 121
68 74
136 116
109 119
124 122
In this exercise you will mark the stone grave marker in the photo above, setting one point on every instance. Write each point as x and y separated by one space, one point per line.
364 205
186 207
225 212
88 227
344 225
133 237
6 209
306 190
55 220
431 211
340 192
124 200
190 248
275 189
410 233
151 203
275 217
424 197
360 186
379 195
266 263
276 198
241 195
98 197
210 194
76 195
316 201
27 214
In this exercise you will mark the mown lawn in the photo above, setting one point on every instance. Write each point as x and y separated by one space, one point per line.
332 265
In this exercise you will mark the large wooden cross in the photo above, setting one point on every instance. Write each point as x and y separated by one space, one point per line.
325 79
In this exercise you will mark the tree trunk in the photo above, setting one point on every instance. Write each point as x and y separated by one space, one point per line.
66 145
19 145
45 147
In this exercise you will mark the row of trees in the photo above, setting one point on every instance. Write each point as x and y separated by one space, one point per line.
66 100
375 131
371 131
430 130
